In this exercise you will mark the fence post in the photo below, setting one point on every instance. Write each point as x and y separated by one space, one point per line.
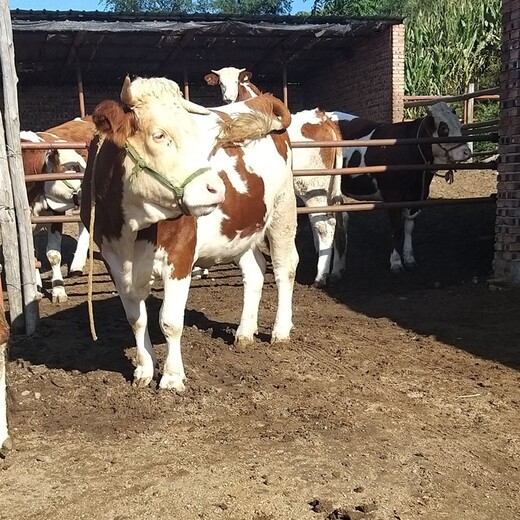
14 160
470 106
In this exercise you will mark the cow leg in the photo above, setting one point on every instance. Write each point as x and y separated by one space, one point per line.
134 303
396 223
409 223
39 284
171 320
54 256
252 264
340 248
80 255
323 232
284 257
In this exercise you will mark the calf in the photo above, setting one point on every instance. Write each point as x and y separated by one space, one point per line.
53 197
313 191
156 166
398 186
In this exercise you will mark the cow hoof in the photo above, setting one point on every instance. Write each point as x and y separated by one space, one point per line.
411 266
172 382
75 273
279 340
38 296
243 342
319 284
141 378
334 279
59 298
397 269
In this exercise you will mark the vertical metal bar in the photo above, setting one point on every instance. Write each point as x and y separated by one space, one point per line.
186 83
470 110
284 85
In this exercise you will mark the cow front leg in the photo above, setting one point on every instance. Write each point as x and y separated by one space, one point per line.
80 255
409 223
171 320
396 224
339 262
53 252
252 264
134 305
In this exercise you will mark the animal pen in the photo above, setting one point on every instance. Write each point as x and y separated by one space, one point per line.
86 40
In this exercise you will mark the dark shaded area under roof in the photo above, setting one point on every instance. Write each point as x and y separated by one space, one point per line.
107 46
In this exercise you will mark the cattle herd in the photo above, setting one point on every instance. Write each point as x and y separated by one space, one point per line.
179 187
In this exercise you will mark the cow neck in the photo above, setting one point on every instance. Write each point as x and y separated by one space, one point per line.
141 165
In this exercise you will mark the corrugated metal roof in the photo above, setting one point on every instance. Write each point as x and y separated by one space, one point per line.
109 45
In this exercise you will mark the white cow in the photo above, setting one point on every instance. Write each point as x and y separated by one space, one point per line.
156 166
314 191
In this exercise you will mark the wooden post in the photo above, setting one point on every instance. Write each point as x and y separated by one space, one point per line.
81 93
4 336
470 111
14 159
284 85
8 232
186 83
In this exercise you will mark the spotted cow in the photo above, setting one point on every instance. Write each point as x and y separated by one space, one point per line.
54 198
313 191
397 186
177 185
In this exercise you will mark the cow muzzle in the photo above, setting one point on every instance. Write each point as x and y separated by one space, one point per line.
203 194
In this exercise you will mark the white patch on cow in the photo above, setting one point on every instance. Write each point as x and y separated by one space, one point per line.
228 81
30 136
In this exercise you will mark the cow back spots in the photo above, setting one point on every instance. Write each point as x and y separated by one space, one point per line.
359 186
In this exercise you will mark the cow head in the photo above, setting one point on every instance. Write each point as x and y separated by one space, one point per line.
443 122
229 79
164 169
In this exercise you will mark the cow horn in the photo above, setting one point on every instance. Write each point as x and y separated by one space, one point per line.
193 107
126 94
217 72
281 111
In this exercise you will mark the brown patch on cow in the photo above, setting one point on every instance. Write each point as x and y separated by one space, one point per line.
75 131
271 106
178 237
115 121
282 143
246 212
105 165
35 162
326 130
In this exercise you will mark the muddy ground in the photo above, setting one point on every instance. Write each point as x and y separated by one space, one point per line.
398 397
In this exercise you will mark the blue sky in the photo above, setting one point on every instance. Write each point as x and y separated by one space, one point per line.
98 5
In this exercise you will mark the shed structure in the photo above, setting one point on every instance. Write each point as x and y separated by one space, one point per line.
70 59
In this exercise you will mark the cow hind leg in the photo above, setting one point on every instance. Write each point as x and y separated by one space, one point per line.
340 249
171 320
284 257
54 256
323 226
252 264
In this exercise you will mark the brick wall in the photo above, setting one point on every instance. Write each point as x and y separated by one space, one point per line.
369 81
507 229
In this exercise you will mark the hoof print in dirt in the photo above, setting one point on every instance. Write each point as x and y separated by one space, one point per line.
344 514
320 506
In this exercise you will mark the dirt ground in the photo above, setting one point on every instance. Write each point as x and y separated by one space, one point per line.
398 397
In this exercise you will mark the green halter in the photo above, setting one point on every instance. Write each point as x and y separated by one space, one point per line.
140 165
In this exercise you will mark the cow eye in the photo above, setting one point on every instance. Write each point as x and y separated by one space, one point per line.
158 136
443 130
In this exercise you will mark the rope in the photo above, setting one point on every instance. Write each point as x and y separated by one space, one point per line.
91 245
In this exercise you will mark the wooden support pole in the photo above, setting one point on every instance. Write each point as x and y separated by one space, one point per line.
14 160
186 83
470 106
284 85
81 93
8 231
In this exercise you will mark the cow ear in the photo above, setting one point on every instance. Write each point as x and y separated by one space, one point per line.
211 79
245 75
429 123
52 161
113 121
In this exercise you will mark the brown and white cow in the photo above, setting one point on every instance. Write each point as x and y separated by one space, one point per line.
150 145
397 186
51 198
313 191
